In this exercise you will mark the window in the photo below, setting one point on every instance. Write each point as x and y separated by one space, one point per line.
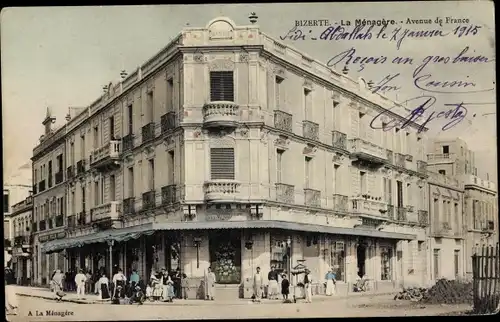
443 172
222 163
337 260
170 95
335 112
130 182
436 264
83 199
151 172
61 206
221 86
101 190
362 182
149 106
96 137
36 176
409 194
386 262
307 172
59 163
82 147
279 253
72 153
112 187
336 179
171 167
6 202
407 143
130 117
49 184
111 122
400 194
73 205
307 104
277 85
96 193
446 149
279 165
457 262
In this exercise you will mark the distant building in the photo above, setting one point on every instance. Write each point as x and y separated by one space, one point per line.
22 219
480 215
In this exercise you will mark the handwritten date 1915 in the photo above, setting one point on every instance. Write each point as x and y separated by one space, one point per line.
421 115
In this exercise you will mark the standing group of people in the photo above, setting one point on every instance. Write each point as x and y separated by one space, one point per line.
277 283
167 286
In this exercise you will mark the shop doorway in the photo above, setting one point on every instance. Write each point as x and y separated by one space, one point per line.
225 255
172 251
361 256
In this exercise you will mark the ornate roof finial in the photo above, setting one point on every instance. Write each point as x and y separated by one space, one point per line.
253 17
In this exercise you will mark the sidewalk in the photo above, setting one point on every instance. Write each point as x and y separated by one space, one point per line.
45 293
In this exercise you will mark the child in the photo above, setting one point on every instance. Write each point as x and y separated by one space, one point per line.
184 286
285 285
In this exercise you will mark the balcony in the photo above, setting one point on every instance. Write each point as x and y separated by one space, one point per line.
148 132
441 157
310 130
70 172
400 160
71 222
59 177
221 190
373 206
340 203
22 241
423 217
41 186
390 157
128 142
107 211
167 122
80 167
312 198
401 213
35 190
285 193
390 212
129 206
59 221
169 194
49 181
283 121
490 225
443 229
339 140
422 167
107 156
34 227
148 200
43 225
221 114
82 218
368 151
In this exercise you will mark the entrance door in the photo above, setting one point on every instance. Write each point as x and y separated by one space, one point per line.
172 251
24 270
225 255
361 255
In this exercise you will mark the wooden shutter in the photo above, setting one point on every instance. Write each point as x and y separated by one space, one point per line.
221 86
222 163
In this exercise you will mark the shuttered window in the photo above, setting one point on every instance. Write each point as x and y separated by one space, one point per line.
221 86
222 163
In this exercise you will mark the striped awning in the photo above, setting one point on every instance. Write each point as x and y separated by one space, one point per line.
275 224
117 235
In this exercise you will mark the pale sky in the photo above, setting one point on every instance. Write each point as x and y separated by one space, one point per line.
62 56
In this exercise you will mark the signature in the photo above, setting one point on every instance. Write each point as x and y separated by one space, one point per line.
453 114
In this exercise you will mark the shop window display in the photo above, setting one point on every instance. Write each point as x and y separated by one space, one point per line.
337 260
386 256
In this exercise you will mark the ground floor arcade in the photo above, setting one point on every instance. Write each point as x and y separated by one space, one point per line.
234 253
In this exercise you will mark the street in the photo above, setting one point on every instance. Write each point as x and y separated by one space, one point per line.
354 307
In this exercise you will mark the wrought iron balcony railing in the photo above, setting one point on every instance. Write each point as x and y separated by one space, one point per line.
43 225
310 130
340 202
339 140
423 217
148 200
148 132
80 167
59 177
283 121
312 198
41 186
169 194
168 122
129 206
401 213
128 142
285 193
59 220
70 172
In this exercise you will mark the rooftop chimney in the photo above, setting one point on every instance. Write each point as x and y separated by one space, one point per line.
48 121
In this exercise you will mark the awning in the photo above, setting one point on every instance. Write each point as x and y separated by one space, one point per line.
275 224
117 235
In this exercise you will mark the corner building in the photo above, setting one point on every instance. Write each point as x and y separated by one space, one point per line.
233 150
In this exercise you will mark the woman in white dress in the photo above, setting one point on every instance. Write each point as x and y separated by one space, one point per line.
308 286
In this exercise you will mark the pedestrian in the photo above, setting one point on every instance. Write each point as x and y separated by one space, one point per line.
134 281
177 284
210 280
103 287
330 282
272 277
88 282
184 286
80 280
11 304
169 293
308 286
57 282
280 279
119 279
258 285
285 287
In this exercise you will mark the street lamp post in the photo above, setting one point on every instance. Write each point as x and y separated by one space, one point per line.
197 242
289 250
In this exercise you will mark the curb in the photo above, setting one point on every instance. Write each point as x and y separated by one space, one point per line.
62 300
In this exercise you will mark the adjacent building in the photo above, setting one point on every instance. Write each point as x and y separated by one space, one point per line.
22 218
480 213
49 199
14 191
229 149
